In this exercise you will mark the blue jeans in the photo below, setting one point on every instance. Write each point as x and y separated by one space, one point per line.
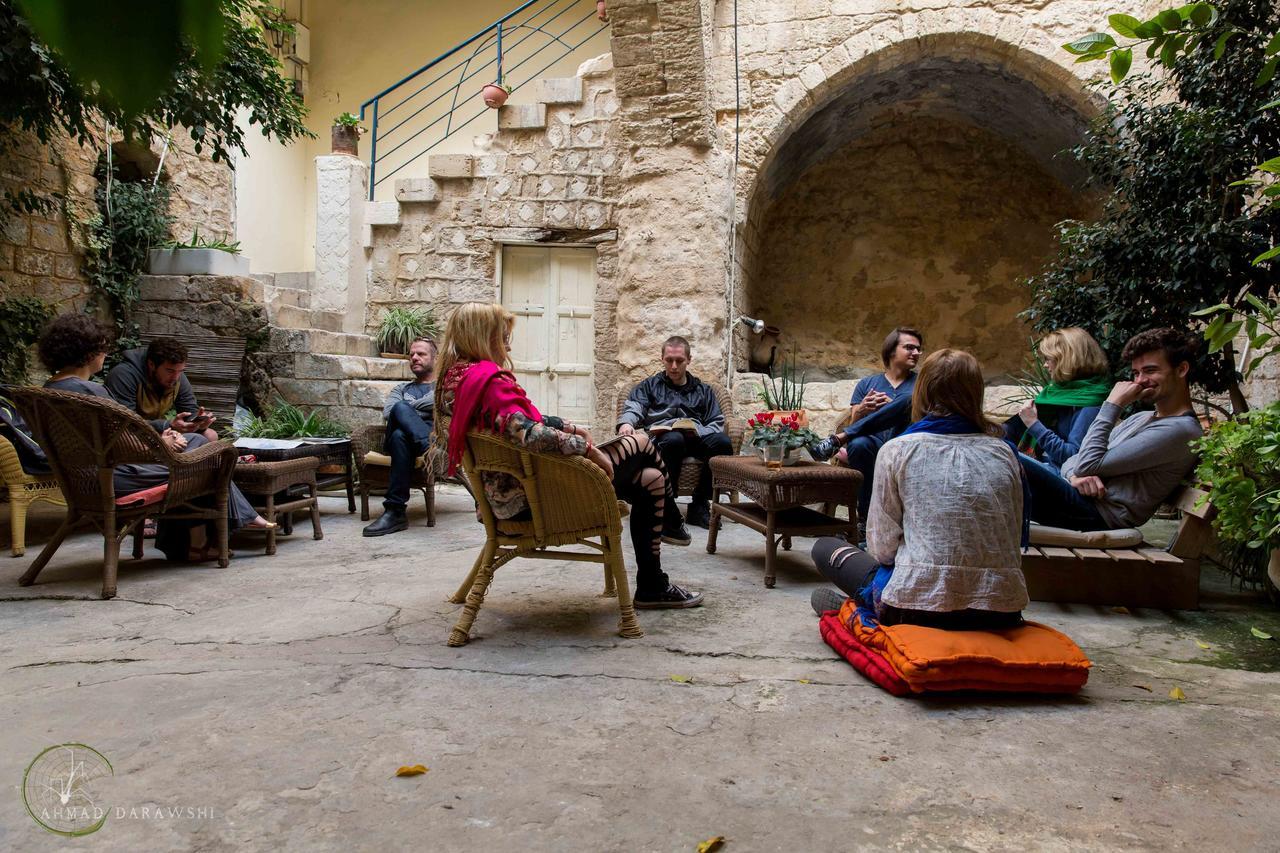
1055 502
865 438
407 437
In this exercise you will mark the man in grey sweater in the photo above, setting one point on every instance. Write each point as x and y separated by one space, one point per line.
410 416
1125 468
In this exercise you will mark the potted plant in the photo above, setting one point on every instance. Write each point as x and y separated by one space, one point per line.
345 135
495 94
198 255
400 326
772 428
285 420
783 394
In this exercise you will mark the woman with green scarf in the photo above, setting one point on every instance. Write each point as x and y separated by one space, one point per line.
1051 426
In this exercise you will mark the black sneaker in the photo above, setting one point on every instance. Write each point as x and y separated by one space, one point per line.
825 598
673 597
825 449
391 521
676 534
699 514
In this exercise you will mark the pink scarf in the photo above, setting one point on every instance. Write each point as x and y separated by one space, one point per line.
485 393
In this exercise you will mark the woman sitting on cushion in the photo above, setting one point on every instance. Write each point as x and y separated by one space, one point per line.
1051 427
946 525
73 348
477 392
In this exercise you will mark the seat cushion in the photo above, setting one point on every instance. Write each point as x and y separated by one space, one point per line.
1125 537
864 660
375 458
144 497
1031 658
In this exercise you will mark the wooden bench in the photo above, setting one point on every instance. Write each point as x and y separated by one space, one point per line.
1140 576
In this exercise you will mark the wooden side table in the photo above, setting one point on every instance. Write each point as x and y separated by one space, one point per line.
268 479
779 501
335 454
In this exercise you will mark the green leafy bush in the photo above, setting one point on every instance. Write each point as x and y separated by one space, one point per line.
199 241
1240 461
400 326
285 420
21 319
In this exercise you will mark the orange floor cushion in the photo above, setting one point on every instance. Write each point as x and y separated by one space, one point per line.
1031 658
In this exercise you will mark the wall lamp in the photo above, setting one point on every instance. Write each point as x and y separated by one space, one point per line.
754 325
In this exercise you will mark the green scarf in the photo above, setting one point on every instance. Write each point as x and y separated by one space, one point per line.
1075 394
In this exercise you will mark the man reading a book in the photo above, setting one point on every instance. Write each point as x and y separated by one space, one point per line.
683 417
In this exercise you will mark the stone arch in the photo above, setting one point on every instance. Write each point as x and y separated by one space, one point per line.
894 85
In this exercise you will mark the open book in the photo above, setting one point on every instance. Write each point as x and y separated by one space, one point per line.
681 424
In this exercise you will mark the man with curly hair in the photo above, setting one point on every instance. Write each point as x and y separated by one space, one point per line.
1125 468
151 380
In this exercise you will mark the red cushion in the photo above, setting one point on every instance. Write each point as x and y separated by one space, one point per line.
146 497
863 659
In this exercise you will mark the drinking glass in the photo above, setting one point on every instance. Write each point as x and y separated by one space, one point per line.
773 454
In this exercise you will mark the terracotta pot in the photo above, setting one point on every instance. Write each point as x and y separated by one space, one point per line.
345 140
494 95
601 12
763 349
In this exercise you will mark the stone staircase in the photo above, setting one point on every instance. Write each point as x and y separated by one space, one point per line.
315 365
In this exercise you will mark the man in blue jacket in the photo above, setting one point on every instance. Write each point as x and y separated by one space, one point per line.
658 404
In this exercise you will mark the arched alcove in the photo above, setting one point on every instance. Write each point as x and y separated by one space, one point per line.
920 192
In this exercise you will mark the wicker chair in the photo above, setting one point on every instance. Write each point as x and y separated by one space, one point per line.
24 490
571 502
374 468
86 437
691 470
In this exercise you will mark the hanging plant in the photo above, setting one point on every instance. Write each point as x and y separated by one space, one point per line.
495 94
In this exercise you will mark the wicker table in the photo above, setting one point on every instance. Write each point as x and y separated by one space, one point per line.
778 508
332 454
274 482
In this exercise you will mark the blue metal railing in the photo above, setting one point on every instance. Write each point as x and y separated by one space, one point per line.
417 114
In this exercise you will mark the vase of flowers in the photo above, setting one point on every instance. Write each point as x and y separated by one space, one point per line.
786 430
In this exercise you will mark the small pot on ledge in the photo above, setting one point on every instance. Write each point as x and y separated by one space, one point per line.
345 139
495 95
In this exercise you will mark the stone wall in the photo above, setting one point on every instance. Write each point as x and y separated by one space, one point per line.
922 222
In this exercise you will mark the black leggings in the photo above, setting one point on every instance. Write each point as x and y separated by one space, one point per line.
849 568
640 479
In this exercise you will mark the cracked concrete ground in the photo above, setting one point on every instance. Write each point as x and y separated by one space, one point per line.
280 695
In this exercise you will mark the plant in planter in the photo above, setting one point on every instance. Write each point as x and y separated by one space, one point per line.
284 420
345 135
1240 461
768 428
399 327
198 255
495 94
784 392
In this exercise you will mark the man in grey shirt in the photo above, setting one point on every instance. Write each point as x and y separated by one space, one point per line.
410 416
1125 468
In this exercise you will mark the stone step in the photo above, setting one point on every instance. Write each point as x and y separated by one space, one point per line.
293 296
522 117
309 365
293 317
318 341
363 394
296 280
560 90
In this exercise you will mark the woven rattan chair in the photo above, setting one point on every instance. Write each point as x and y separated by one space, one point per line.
691 470
571 502
374 468
86 437
24 490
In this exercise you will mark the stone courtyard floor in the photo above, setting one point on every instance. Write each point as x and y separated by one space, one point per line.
271 703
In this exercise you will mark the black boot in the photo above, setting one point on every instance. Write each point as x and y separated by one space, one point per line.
391 521
673 530
699 514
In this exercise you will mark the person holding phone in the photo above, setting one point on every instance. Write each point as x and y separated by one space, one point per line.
151 381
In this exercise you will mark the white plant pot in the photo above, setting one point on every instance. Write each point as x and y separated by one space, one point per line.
196 262
1273 568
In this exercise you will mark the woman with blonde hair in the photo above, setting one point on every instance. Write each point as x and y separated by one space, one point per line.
478 391
1051 427
946 524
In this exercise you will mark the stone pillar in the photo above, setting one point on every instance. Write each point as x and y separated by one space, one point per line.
342 265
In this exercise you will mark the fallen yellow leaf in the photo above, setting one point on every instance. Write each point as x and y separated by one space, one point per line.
682 679
411 770
1176 693
1123 611
1203 645
711 844
804 681
1260 634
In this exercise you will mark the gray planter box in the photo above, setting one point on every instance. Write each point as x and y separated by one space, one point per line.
196 262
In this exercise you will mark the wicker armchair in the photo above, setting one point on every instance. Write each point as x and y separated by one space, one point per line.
24 490
374 468
86 437
571 502
692 468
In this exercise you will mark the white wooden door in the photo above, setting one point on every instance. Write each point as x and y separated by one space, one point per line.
552 293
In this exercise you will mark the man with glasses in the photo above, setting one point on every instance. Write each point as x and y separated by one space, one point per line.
880 409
